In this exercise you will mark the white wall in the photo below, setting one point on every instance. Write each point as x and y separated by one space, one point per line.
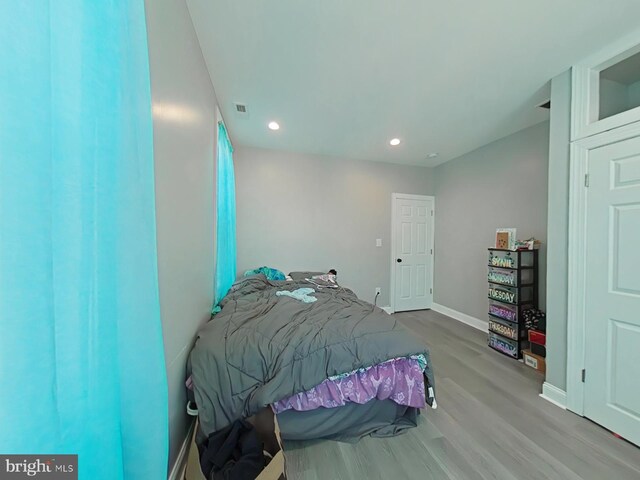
558 230
616 97
184 107
503 184
310 212
633 92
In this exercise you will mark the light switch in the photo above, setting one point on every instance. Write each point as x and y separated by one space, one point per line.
378 242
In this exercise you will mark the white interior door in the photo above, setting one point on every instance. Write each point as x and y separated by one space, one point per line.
412 252
612 297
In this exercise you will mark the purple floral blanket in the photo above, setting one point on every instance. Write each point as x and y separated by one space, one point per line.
400 380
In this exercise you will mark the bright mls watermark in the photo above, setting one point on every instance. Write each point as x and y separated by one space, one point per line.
49 467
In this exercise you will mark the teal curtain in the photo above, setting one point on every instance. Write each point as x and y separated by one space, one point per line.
82 366
226 217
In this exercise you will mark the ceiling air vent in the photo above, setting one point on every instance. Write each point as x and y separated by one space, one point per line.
241 108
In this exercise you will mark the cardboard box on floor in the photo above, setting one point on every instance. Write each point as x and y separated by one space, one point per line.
266 425
534 361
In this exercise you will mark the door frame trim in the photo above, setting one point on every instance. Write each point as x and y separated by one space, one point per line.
392 287
576 253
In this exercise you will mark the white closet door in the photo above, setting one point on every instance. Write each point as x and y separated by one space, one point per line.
612 303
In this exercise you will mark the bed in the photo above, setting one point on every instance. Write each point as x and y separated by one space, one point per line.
268 349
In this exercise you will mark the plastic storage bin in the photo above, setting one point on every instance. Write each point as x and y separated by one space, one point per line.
509 277
504 311
503 276
509 259
504 345
510 295
504 328
501 258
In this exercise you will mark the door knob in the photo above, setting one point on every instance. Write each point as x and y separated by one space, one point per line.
399 260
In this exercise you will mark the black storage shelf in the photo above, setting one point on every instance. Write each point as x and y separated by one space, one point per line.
508 338
491 315
506 303
505 344
523 345
510 268
530 284
508 323
493 249
520 305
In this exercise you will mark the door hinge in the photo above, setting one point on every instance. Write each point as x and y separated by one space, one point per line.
432 251
586 180
432 213
583 374
431 290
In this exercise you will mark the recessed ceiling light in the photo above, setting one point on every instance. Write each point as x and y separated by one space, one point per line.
394 141
274 126
432 155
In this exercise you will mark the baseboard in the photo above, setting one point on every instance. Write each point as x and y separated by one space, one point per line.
387 309
554 395
461 317
177 471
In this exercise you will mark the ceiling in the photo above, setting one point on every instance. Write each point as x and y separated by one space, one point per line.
344 77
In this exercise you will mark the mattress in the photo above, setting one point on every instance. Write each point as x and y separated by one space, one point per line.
378 418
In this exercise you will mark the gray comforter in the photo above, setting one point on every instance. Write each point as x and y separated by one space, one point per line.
262 348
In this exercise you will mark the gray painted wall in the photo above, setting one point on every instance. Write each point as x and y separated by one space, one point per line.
299 212
558 229
503 184
634 95
616 97
184 108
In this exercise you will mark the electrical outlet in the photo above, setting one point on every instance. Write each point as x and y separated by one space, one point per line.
378 290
